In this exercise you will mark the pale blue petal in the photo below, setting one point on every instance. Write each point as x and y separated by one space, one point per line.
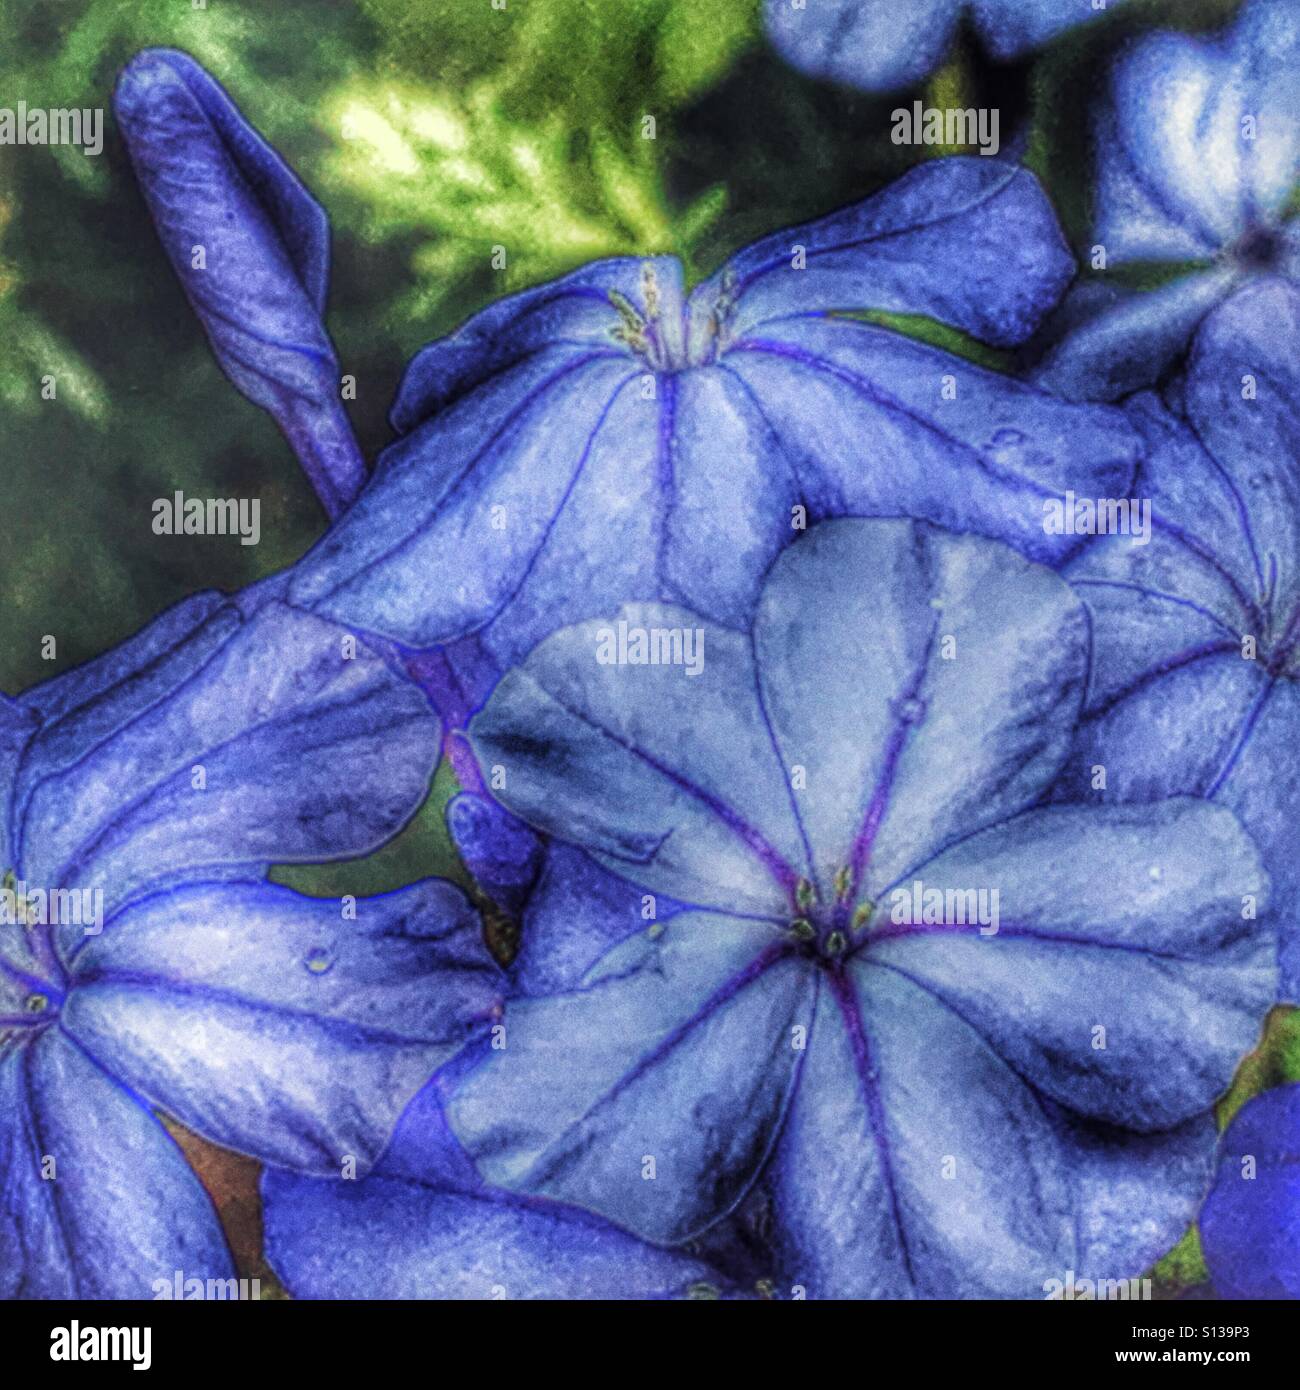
671 778
652 1095
1121 938
896 691
272 1024
915 1161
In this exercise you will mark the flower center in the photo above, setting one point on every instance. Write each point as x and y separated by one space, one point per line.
827 931
1260 248
669 343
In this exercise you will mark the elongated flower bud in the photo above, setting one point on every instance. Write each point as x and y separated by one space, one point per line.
251 248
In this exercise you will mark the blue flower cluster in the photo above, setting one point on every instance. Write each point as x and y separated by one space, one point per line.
891 763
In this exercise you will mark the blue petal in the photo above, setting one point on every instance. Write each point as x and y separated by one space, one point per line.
501 853
915 1162
1266 46
1012 27
1169 180
211 181
1181 176
1135 1194
17 724
896 692
652 1095
880 45
1258 779
1255 439
321 1240
460 512
1186 589
1173 706
1215 726
1132 341
670 779
872 44
1250 1224
128 679
967 240
1174 732
1123 919
735 489
309 752
118 1209
577 911
875 424
271 1024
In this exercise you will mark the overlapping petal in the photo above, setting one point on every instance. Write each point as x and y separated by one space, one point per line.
273 1024
654 1091
897 693
877 45
1193 682
670 778
96 1200
824 763
221 751
915 1161
446 1244
1122 931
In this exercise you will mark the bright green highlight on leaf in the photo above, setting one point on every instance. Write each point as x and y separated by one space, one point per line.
940 335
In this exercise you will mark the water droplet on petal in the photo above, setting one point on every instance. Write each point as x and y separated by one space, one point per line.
1006 439
318 960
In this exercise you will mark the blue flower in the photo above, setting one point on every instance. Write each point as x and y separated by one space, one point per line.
880 45
1250 1224
1195 684
150 790
931 1107
1198 162
609 438
251 248
445 1234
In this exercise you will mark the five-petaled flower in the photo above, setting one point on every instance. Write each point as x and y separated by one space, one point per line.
935 1110
609 438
